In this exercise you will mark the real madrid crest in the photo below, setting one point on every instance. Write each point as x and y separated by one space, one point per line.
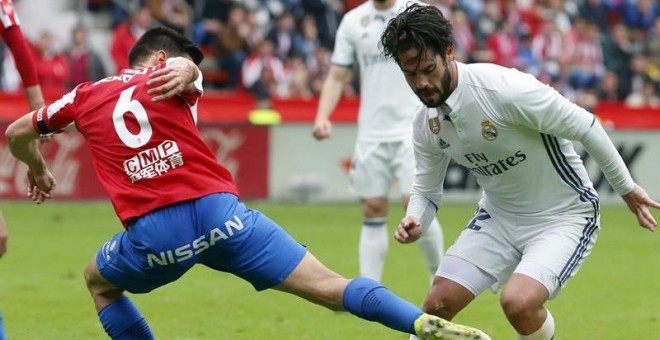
365 21
488 131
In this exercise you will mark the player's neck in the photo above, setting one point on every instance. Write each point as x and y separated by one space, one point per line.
383 5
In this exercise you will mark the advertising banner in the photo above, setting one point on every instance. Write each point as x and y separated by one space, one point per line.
309 170
243 149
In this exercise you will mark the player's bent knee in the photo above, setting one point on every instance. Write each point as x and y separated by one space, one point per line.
516 306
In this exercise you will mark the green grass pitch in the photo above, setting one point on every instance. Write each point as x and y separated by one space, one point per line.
42 293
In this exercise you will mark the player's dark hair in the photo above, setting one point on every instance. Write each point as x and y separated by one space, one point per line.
166 39
418 26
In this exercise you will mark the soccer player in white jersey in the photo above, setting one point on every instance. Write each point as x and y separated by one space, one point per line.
539 216
383 150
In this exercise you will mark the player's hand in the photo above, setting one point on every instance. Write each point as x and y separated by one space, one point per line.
409 230
638 202
171 80
40 186
322 129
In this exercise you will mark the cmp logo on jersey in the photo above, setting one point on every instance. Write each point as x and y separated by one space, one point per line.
488 131
154 162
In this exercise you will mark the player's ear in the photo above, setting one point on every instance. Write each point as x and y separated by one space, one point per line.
161 56
450 53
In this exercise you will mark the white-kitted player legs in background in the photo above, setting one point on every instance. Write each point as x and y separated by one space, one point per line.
383 151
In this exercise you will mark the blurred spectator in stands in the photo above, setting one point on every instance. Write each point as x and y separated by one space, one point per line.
84 63
126 33
445 6
640 14
211 15
586 56
503 45
308 39
617 55
263 74
532 16
487 23
298 78
652 47
52 68
527 60
326 13
464 42
472 8
608 88
318 67
233 45
556 11
641 71
646 96
284 36
547 48
596 11
175 14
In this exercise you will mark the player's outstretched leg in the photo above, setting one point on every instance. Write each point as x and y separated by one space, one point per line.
369 300
119 316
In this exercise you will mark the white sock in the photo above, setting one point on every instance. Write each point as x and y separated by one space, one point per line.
413 337
431 245
546 332
374 242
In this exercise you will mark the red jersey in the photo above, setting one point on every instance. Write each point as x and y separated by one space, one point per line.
146 154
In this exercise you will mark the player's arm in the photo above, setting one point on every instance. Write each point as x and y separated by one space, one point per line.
180 76
330 93
22 140
13 37
540 107
426 192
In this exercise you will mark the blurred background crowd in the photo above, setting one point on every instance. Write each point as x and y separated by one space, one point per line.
589 50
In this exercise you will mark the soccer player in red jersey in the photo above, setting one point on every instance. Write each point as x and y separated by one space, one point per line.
178 205
14 39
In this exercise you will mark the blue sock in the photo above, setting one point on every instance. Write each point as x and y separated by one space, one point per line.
2 329
371 301
123 321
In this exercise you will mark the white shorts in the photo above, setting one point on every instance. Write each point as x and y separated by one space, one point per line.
375 166
548 249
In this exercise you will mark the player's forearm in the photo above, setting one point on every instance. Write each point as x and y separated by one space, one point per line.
600 147
422 208
22 141
331 91
35 97
330 94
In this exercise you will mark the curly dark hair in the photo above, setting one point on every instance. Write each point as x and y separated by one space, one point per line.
418 26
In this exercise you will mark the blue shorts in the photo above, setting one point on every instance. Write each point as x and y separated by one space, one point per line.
217 231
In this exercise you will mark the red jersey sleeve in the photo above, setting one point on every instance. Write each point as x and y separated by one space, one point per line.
53 118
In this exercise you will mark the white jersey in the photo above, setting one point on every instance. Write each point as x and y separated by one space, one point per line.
386 101
514 134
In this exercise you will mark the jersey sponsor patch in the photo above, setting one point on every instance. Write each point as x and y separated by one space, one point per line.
154 162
